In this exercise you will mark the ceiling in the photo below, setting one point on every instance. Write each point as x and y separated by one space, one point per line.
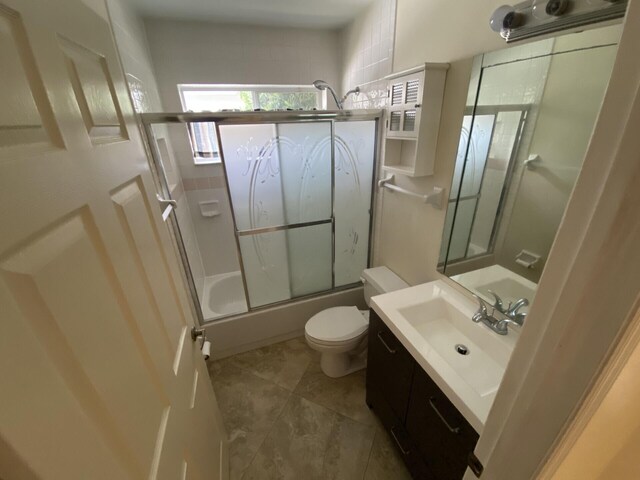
283 13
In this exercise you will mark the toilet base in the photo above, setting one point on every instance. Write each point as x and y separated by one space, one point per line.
340 360
337 365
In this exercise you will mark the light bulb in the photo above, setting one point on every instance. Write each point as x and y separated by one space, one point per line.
504 18
543 9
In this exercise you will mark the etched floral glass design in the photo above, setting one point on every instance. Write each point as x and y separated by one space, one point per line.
354 154
280 175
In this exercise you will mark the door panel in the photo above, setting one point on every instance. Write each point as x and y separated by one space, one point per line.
100 377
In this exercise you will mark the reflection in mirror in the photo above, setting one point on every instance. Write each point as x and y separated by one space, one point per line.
530 114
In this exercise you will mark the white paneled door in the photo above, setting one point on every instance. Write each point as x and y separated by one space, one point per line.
99 378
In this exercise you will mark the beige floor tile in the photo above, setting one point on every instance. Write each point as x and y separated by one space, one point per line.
349 448
249 407
345 395
385 462
323 431
282 363
295 447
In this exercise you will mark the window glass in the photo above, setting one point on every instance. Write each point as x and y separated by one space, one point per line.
217 98
287 100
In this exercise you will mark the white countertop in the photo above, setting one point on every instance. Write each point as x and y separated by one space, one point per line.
473 395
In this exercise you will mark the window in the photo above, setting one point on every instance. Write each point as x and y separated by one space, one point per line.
216 98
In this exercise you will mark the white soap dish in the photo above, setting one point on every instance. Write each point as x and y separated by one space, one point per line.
209 208
527 259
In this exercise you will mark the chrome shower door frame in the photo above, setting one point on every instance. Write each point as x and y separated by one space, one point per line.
248 118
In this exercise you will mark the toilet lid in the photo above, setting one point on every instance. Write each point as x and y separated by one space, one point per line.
337 324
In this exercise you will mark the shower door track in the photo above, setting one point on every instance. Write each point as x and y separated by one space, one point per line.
242 118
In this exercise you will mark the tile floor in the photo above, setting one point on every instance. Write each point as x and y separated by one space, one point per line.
287 420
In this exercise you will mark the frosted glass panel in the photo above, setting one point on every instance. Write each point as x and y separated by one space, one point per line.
266 267
476 158
309 259
278 173
273 275
354 157
462 228
305 170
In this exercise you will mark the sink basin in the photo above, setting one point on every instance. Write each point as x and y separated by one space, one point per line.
483 359
465 359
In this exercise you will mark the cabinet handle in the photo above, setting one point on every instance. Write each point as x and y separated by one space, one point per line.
389 349
455 430
402 449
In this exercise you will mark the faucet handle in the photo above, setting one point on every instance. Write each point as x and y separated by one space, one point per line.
517 305
482 309
498 303
481 303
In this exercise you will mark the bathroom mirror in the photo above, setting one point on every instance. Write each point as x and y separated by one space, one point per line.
530 114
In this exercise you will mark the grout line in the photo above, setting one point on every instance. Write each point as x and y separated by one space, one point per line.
326 449
375 434
268 433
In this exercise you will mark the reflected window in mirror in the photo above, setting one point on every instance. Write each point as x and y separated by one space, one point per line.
530 114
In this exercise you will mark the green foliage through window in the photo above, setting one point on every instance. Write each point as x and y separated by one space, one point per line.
280 100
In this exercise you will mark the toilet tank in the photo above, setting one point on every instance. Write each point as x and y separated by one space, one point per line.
380 280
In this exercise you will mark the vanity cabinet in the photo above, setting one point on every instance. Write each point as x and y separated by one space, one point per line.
432 436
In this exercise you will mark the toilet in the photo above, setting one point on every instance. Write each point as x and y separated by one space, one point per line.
340 333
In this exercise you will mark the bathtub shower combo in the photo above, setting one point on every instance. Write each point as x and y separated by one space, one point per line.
296 188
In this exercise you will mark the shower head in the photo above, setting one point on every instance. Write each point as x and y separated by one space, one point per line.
322 85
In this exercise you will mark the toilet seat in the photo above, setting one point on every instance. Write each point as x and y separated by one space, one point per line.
337 325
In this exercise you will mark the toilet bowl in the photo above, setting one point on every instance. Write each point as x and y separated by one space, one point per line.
340 333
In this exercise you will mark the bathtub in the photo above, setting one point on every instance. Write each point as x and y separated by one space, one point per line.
223 295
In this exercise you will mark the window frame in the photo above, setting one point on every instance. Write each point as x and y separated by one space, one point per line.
321 101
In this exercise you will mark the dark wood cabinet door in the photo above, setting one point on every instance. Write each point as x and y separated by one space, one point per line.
399 436
389 368
442 435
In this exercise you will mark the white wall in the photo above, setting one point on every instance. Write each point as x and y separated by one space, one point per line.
195 52
442 31
409 231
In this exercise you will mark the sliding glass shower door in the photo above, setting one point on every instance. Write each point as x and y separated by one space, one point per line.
281 199
267 206
301 198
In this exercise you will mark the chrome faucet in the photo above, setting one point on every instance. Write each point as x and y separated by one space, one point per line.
512 310
498 304
483 316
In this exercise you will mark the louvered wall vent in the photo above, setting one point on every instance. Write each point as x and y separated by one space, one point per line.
396 93
394 124
409 123
413 87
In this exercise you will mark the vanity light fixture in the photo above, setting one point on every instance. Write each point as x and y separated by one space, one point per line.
534 18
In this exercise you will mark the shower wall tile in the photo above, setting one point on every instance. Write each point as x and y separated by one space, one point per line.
213 236
368 54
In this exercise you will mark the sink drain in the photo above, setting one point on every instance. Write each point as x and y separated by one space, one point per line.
462 349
